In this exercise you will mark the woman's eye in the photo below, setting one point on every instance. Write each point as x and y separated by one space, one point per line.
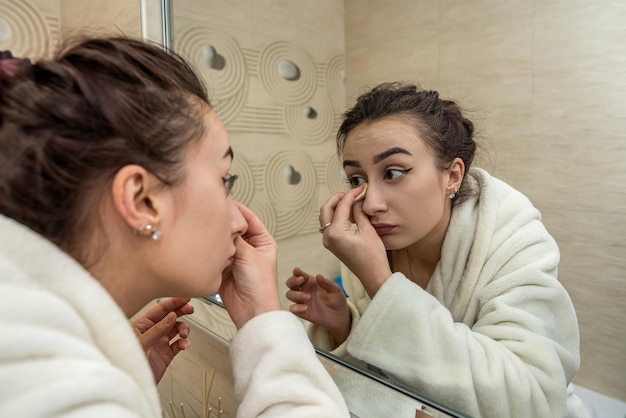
396 173
355 181
229 181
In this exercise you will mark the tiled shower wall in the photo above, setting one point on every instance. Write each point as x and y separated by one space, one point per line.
545 81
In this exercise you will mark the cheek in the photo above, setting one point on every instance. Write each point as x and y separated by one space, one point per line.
424 206
210 245
204 229
217 219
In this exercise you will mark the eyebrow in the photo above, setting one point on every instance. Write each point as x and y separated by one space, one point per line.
229 153
378 157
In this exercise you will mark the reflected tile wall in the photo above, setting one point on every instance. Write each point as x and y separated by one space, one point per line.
545 81
276 125
381 37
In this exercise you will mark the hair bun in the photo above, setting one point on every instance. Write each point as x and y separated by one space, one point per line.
11 67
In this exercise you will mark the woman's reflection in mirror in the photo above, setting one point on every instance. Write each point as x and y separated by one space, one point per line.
450 272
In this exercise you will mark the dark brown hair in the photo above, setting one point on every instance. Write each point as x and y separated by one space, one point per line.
68 124
440 123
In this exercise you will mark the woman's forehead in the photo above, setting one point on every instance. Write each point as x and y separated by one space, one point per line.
382 134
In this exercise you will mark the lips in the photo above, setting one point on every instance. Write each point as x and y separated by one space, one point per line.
383 229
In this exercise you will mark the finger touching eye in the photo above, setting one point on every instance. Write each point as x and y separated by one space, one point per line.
355 181
361 195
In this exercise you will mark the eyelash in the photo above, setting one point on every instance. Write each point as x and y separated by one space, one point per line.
403 171
229 181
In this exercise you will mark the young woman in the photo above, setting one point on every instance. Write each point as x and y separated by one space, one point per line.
451 276
114 190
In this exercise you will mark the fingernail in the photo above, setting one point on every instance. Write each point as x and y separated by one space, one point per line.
170 318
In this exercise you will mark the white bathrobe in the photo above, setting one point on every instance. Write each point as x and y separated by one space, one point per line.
494 334
66 348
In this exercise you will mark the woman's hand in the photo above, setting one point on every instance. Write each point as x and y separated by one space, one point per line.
320 301
157 327
360 249
250 285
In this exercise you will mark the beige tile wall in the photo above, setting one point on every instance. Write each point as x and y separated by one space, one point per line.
546 82
30 28
35 28
101 17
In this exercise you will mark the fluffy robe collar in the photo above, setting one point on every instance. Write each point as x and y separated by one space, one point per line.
43 265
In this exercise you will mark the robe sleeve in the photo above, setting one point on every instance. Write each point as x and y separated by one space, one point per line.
277 372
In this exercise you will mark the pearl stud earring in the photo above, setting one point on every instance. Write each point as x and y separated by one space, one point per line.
155 234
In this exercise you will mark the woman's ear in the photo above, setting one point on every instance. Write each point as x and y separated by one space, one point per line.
136 197
456 172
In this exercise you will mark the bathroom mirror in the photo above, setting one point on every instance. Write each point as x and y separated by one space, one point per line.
544 82
367 394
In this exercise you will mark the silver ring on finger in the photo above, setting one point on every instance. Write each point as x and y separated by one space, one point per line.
322 228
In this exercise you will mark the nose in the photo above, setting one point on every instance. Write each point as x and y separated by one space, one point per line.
374 201
238 224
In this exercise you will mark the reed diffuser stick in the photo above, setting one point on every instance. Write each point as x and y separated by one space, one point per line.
207 395
173 411
204 404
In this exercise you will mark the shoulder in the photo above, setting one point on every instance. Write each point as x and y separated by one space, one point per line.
47 325
34 276
506 225
48 295
492 189
62 333
503 205
55 358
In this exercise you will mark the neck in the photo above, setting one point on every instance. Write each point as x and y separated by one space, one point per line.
417 265
121 274
119 283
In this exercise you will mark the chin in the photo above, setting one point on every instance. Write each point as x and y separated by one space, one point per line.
215 287
394 244
204 286
390 244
